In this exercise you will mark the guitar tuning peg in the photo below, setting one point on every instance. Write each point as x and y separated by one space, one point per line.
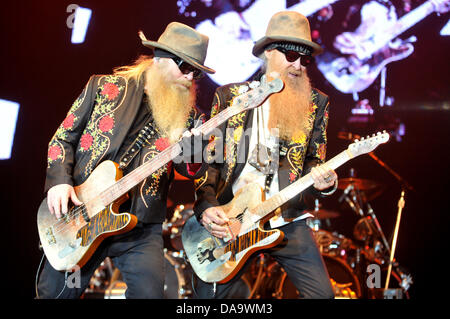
242 89
254 84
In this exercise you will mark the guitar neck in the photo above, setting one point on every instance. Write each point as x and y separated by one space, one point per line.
310 7
126 183
297 187
410 19
243 102
136 176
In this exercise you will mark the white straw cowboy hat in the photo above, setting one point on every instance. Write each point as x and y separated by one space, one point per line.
287 26
184 42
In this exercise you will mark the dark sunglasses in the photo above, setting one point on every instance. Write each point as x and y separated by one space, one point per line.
186 68
292 56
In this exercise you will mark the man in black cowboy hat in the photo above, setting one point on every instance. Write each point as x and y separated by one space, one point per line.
154 96
298 117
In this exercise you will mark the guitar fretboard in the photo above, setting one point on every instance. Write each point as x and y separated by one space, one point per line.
410 19
297 187
252 99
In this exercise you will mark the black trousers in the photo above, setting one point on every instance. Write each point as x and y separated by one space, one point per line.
138 254
300 258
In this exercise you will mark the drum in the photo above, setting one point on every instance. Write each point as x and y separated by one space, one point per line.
177 280
332 244
276 284
172 228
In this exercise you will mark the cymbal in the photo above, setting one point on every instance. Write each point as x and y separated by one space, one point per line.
324 213
369 189
359 183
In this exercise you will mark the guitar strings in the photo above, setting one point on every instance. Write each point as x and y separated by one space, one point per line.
62 224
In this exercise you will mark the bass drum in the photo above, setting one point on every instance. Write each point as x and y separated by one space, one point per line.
277 285
176 285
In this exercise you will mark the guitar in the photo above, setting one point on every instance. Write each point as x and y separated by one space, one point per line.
228 51
356 72
72 239
218 260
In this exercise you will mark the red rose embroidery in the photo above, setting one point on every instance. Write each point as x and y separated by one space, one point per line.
110 90
292 176
86 141
106 123
162 143
68 122
321 150
53 152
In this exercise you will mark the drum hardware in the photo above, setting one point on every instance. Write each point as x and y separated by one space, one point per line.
368 230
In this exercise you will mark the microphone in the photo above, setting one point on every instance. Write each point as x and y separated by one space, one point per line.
346 191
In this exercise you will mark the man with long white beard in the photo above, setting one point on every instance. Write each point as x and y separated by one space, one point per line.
129 117
282 140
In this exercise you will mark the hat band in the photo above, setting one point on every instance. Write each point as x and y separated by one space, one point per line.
301 48
163 54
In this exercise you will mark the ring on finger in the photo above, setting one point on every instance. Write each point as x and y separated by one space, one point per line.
328 179
210 226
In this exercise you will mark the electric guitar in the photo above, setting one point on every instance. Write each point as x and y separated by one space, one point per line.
356 72
72 239
228 51
218 260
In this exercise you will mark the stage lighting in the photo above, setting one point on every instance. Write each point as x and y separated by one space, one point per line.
80 25
8 118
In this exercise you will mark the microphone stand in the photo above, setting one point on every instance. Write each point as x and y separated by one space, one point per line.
401 205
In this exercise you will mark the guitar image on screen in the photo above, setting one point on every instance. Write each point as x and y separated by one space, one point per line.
370 48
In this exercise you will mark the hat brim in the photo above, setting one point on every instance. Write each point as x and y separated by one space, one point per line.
153 44
259 46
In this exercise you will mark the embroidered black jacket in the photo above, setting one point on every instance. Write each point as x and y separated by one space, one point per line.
102 122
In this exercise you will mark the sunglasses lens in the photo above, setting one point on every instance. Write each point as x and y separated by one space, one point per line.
306 60
291 56
186 68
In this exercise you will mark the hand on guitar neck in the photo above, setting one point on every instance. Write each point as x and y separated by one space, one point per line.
323 176
58 199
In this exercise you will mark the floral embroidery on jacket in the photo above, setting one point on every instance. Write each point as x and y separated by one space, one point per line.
299 143
102 123
55 148
150 186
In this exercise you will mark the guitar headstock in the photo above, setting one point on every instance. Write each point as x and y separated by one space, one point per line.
368 144
255 93
441 6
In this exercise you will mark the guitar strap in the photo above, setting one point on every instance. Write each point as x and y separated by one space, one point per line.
144 136
269 177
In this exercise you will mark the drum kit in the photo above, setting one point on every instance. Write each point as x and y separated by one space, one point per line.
348 260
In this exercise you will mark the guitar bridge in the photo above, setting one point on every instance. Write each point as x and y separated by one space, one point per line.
50 237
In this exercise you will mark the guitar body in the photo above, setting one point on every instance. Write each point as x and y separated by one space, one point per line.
70 241
216 260
348 74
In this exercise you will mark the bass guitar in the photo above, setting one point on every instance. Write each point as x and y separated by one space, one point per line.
71 240
218 260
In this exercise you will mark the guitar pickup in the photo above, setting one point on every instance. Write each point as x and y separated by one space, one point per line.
51 239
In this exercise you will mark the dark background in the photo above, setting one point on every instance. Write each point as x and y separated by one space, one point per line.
44 72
